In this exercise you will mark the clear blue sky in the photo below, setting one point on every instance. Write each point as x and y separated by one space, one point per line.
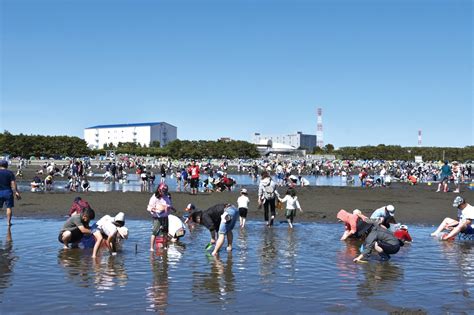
380 70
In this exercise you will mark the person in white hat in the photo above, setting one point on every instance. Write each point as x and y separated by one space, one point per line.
384 216
243 205
464 224
109 229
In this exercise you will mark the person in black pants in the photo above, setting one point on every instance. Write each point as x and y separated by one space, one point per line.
266 196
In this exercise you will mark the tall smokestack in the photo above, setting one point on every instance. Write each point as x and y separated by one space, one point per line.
419 138
319 129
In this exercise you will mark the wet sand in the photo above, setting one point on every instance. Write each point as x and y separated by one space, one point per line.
414 204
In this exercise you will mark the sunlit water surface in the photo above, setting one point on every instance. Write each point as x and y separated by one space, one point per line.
271 270
135 184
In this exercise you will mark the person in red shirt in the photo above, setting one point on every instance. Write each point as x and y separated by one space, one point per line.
363 177
402 234
194 171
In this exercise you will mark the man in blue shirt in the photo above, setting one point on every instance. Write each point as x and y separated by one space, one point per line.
8 188
384 216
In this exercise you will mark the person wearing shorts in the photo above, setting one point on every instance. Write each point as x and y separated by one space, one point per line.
444 175
75 228
220 218
243 204
159 207
8 190
382 241
108 229
464 224
194 171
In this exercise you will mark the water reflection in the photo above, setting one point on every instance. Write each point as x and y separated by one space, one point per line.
136 184
460 256
157 294
109 272
218 283
77 264
271 270
289 256
379 278
242 248
269 256
7 261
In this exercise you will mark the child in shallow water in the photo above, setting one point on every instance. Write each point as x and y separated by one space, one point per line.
292 204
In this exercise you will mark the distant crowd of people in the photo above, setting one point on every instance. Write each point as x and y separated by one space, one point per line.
220 219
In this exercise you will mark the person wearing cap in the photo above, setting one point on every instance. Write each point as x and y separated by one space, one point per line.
159 207
243 205
220 218
384 216
108 229
189 209
382 241
464 224
402 234
8 190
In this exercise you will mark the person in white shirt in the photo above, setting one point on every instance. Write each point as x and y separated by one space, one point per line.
243 205
108 229
464 224
382 174
292 204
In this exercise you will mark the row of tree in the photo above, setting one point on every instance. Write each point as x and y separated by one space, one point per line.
47 146
62 146
395 152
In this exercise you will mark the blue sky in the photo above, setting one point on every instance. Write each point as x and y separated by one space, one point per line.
380 70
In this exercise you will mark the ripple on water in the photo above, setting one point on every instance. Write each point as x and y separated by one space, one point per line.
278 270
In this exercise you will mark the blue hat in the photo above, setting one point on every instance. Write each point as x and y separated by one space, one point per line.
3 163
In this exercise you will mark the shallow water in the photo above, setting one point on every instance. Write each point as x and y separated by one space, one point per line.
135 184
275 271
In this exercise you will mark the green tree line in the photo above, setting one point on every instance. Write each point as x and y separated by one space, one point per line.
395 152
61 146
56 146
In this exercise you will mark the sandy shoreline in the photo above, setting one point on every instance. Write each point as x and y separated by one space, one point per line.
414 204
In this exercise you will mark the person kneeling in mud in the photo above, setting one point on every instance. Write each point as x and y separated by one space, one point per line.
382 241
75 228
220 218
108 229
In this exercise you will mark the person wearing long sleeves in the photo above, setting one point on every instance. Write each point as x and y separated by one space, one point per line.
382 241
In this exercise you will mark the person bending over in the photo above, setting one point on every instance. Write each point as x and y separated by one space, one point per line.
382 241
220 218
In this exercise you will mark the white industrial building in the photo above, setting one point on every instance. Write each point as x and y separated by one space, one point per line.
286 143
143 134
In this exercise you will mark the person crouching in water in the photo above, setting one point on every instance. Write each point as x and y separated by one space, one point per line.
159 206
402 234
220 218
382 241
75 228
355 225
292 204
108 229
